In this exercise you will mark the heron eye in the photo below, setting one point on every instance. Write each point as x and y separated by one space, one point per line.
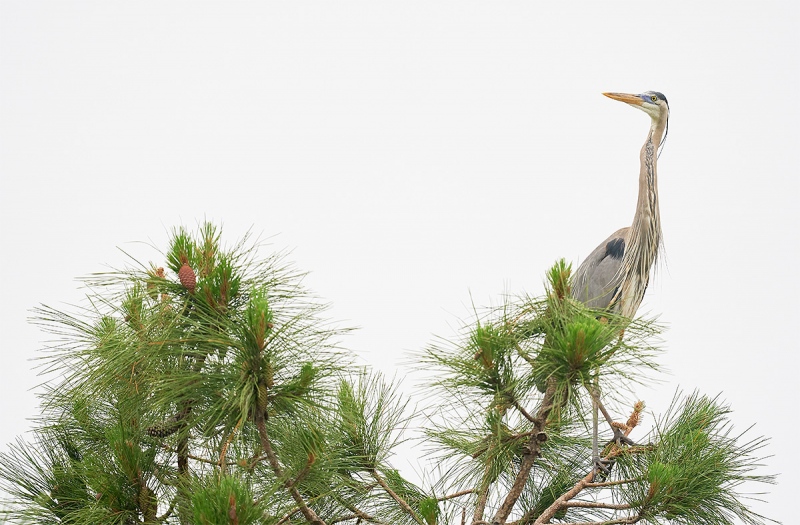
653 98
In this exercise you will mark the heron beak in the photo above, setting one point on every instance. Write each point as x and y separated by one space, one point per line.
635 100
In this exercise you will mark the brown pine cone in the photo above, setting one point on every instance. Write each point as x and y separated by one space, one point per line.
187 277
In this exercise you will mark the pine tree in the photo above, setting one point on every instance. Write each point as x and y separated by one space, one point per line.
214 391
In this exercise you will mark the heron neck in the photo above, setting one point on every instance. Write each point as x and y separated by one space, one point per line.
647 219
644 236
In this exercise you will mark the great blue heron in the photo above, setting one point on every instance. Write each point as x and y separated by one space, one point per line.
615 275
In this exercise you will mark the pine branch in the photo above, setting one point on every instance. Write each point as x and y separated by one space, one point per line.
597 505
456 495
619 521
601 484
523 411
400 501
224 451
561 501
480 508
357 514
309 514
183 464
198 458
531 451
302 474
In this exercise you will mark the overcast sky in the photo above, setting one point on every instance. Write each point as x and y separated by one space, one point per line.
416 157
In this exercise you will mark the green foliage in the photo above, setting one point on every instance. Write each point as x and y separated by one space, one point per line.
223 501
692 473
424 506
429 510
221 396
559 279
495 374
369 417
558 484
574 354
182 249
151 373
493 348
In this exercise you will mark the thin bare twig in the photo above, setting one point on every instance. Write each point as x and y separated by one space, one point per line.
597 505
596 398
288 515
222 464
360 515
303 473
456 495
619 521
524 412
601 484
505 439
400 501
193 457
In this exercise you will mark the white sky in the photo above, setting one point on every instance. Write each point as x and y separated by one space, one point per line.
412 154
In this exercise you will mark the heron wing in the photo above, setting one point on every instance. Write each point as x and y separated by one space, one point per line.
598 276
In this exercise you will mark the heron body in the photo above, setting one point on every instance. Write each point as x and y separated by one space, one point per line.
616 274
598 278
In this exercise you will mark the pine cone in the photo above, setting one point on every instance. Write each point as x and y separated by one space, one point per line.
187 277
165 428
161 430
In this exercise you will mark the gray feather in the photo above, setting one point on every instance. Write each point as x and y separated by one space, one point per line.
598 276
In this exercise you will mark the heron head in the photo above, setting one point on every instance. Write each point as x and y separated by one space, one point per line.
651 102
